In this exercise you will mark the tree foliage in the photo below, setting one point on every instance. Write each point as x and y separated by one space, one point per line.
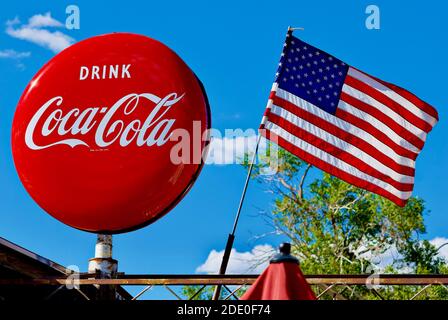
336 228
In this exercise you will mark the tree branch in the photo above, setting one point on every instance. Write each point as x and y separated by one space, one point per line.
302 181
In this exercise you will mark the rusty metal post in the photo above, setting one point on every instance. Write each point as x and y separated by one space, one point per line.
104 266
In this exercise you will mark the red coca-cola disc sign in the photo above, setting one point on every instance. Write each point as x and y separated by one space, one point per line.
95 132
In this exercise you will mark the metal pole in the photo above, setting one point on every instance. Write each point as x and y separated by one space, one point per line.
231 238
104 266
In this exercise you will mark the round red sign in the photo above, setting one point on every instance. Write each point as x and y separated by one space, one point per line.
106 136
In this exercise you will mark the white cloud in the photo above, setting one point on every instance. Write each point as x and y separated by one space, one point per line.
382 260
379 260
10 23
230 150
15 56
12 54
254 261
35 32
442 243
43 20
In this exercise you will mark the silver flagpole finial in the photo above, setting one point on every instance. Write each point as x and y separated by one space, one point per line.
295 28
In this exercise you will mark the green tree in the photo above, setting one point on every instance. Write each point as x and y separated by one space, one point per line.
206 293
336 228
197 292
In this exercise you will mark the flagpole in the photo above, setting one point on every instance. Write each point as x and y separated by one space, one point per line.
231 237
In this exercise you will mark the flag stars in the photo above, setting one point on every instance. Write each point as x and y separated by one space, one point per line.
311 74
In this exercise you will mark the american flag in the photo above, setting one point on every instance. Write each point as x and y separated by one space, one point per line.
343 121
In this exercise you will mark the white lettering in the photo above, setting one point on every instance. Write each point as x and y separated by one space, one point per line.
125 71
105 72
83 73
113 72
95 72
156 129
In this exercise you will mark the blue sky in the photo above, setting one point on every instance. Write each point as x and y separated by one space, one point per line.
234 48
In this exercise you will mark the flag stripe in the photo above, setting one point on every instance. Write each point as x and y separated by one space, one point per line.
351 134
358 111
401 96
359 120
393 120
372 129
348 154
332 165
370 95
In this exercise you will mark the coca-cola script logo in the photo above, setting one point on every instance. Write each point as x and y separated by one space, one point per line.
100 121
94 130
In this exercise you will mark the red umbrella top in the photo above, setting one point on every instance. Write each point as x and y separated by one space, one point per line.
282 280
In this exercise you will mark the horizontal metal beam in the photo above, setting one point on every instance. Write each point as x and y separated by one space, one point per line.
379 279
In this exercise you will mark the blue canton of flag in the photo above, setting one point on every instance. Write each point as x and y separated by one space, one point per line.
311 74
